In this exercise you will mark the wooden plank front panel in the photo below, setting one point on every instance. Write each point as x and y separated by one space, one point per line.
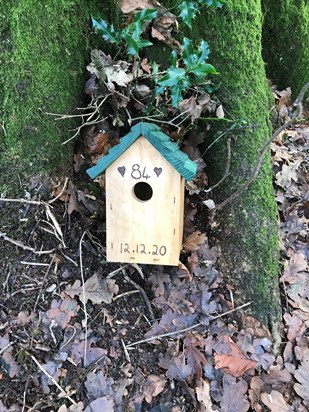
143 231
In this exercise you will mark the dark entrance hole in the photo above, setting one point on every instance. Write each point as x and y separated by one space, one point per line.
143 191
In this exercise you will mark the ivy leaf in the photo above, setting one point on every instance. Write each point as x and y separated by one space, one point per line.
211 3
107 30
188 11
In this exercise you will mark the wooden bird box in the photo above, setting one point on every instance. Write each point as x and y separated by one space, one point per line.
145 175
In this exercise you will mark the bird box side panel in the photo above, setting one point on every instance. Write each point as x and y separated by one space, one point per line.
144 207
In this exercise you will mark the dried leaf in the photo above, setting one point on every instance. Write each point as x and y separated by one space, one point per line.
302 376
100 405
194 241
275 402
153 385
156 34
220 112
97 290
146 66
202 389
98 143
233 361
129 6
234 395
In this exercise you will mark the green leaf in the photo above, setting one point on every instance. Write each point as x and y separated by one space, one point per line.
211 3
203 69
174 58
155 68
188 56
132 46
203 52
176 91
172 77
188 11
145 15
107 30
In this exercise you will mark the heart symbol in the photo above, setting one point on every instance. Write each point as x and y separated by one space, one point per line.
158 171
121 170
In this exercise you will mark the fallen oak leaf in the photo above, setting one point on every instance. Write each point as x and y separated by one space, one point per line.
97 290
194 241
234 362
275 402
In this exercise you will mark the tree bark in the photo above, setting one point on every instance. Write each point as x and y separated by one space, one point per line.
248 230
44 47
285 43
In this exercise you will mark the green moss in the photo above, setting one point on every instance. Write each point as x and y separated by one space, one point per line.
44 50
248 232
285 42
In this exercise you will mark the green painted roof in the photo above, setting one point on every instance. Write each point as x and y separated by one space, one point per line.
169 150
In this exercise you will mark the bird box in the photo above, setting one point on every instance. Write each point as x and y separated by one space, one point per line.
145 177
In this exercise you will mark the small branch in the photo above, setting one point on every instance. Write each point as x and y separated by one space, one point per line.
164 335
52 379
21 245
143 293
295 118
255 170
60 194
228 164
28 202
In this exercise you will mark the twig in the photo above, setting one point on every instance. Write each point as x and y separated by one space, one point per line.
256 168
60 194
84 295
114 272
33 263
121 295
231 129
26 201
42 285
56 225
143 293
137 267
126 351
21 245
52 379
164 335
228 164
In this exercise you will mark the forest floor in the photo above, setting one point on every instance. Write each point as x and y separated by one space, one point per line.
80 334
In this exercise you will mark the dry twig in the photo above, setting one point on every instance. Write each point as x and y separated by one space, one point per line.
52 379
168 334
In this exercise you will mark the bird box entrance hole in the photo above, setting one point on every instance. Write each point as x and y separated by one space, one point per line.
143 191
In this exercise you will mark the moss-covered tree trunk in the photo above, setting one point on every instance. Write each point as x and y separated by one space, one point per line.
285 42
247 231
43 52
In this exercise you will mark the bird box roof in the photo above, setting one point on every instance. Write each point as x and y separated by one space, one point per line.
153 133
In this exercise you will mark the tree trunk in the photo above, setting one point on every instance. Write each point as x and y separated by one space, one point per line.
44 47
248 229
285 42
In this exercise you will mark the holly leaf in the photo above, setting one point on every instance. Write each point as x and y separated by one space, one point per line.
188 56
107 30
211 3
145 15
171 78
188 11
203 69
